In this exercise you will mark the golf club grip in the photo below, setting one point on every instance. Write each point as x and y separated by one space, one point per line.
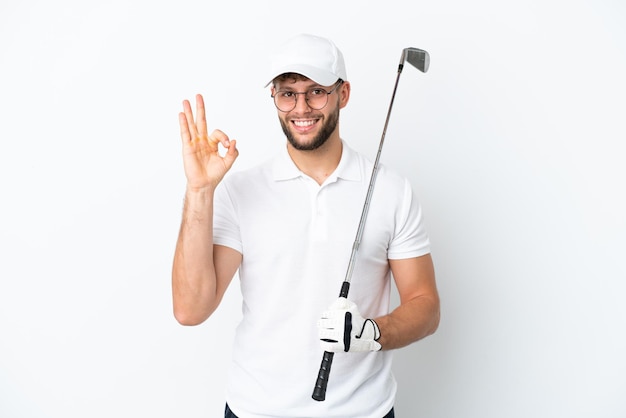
319 392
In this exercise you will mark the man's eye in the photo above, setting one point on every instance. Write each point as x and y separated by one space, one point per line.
286 94
317 92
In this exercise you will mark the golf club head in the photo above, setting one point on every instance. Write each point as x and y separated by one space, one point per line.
418 58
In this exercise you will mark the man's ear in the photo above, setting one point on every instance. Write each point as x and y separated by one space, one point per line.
344 94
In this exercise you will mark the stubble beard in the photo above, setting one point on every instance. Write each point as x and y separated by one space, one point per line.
320 139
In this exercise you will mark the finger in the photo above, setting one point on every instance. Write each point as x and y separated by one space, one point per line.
220 137
331 347
191 126
184 128
331 323
201 116
329 335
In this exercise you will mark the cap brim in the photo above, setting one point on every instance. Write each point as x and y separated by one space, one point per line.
323 78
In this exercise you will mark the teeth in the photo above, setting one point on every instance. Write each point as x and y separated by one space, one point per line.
303 123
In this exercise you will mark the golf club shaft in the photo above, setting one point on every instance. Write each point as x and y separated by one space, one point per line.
319 392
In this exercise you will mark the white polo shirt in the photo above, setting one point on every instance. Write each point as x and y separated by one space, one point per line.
296 238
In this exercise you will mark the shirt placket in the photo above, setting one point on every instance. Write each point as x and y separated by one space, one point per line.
319 210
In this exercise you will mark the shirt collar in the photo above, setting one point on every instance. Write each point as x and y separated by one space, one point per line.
347 169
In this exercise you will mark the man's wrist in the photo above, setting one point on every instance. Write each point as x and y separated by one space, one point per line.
199 190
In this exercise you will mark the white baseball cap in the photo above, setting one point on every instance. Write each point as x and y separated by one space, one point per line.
312 56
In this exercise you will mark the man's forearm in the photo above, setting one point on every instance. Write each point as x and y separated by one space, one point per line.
193 272
410 322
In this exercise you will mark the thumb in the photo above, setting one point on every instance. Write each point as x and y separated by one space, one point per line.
342 304
231 154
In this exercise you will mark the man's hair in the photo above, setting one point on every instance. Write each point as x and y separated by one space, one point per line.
289 76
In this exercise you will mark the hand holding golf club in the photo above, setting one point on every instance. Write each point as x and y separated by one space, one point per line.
419 59
204 166
342 328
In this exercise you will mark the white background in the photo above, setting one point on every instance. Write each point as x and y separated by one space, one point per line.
513 140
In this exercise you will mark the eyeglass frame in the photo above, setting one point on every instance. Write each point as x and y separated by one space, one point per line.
337 83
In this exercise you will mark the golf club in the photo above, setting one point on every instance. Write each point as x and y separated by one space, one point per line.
420 60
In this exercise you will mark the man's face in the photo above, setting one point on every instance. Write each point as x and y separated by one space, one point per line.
307 129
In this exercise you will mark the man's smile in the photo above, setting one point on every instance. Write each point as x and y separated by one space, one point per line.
304 125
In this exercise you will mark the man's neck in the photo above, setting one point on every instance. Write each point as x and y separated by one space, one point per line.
320 163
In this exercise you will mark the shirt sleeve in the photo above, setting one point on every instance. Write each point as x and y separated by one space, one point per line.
410 238
225 221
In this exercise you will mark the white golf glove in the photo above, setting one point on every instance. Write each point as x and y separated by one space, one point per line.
342 328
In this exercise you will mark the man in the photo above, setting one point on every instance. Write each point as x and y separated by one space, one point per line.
288 227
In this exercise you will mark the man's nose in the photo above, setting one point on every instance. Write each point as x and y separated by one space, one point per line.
301 103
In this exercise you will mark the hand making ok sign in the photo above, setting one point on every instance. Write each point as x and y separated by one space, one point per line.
204 166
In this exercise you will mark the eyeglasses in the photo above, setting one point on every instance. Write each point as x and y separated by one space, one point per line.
316 98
